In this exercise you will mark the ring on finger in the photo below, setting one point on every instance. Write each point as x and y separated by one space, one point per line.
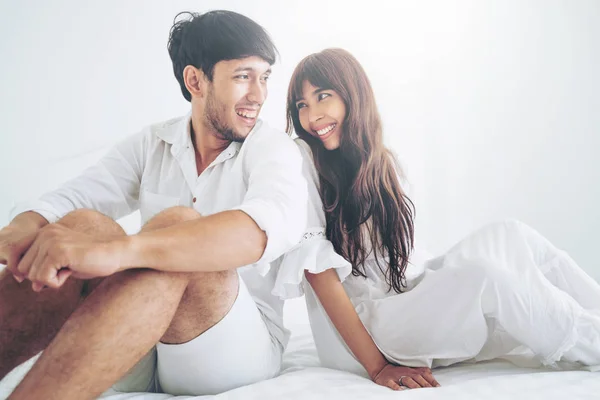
400 381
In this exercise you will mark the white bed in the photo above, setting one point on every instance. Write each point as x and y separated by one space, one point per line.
302 378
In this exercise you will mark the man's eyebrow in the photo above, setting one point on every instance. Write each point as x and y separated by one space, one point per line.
249 69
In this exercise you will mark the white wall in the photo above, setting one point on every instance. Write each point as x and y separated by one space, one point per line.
492 105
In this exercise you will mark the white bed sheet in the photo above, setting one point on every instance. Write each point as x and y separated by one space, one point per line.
302 378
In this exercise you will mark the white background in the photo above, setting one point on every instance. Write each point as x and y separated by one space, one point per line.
492 106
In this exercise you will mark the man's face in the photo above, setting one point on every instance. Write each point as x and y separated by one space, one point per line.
235 96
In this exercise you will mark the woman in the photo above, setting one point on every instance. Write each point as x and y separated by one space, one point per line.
504 291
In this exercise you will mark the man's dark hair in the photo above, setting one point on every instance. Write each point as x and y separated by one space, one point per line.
202 40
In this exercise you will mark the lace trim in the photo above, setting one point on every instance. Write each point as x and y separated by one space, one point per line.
313 235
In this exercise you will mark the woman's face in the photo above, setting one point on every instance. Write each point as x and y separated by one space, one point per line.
322 113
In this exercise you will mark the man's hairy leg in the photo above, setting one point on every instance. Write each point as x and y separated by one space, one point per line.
29 320
121 321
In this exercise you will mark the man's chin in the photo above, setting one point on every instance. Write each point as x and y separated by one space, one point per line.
238 139
235 136
241 133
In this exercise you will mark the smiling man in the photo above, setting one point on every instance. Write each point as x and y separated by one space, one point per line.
185 306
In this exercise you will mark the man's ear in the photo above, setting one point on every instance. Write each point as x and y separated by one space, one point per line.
195 81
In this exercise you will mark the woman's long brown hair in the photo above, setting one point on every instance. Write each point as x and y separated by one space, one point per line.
359 181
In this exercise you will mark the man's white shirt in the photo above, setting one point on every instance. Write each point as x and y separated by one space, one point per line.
156 169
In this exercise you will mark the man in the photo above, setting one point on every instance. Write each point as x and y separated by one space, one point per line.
163 310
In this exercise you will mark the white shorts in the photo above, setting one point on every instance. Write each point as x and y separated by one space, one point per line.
237 351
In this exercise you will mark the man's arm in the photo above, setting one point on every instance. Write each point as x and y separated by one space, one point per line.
17 237
111 186
270 221
221 241
29 220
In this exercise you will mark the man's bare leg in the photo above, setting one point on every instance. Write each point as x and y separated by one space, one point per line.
29 320
122 319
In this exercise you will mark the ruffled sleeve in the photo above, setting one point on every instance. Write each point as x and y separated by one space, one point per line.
314 253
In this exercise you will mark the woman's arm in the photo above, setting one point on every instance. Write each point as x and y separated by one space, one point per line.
340 310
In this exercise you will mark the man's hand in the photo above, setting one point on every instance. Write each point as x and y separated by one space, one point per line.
15 240
397 378
59 252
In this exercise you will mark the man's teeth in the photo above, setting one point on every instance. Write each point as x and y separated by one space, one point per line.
323 131
246 114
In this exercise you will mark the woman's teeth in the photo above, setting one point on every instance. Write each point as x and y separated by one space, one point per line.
324 131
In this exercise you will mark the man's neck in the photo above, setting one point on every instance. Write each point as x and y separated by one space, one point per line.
207 145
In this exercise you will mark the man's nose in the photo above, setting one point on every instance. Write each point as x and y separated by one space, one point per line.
257 93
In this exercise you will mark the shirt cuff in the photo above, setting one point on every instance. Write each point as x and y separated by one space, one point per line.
278 240
40 207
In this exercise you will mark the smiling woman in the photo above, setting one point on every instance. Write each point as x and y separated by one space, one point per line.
322 113
379 309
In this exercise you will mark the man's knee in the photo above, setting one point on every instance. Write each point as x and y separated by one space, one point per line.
171 216
82 214
87 220
225 283
207 299
217 284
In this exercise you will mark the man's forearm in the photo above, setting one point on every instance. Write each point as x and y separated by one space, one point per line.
218 242
30 220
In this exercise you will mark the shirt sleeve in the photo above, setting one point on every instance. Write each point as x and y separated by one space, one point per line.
313 253
110 187
276 194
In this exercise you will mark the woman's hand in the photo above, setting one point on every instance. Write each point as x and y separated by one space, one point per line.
398 378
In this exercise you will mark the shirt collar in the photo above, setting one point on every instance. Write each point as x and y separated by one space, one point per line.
177 133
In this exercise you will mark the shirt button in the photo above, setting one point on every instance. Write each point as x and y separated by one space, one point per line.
194 200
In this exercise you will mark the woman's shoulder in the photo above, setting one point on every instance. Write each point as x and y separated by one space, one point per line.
308 160
304 148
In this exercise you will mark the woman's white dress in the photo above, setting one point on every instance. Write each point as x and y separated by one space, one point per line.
502 292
